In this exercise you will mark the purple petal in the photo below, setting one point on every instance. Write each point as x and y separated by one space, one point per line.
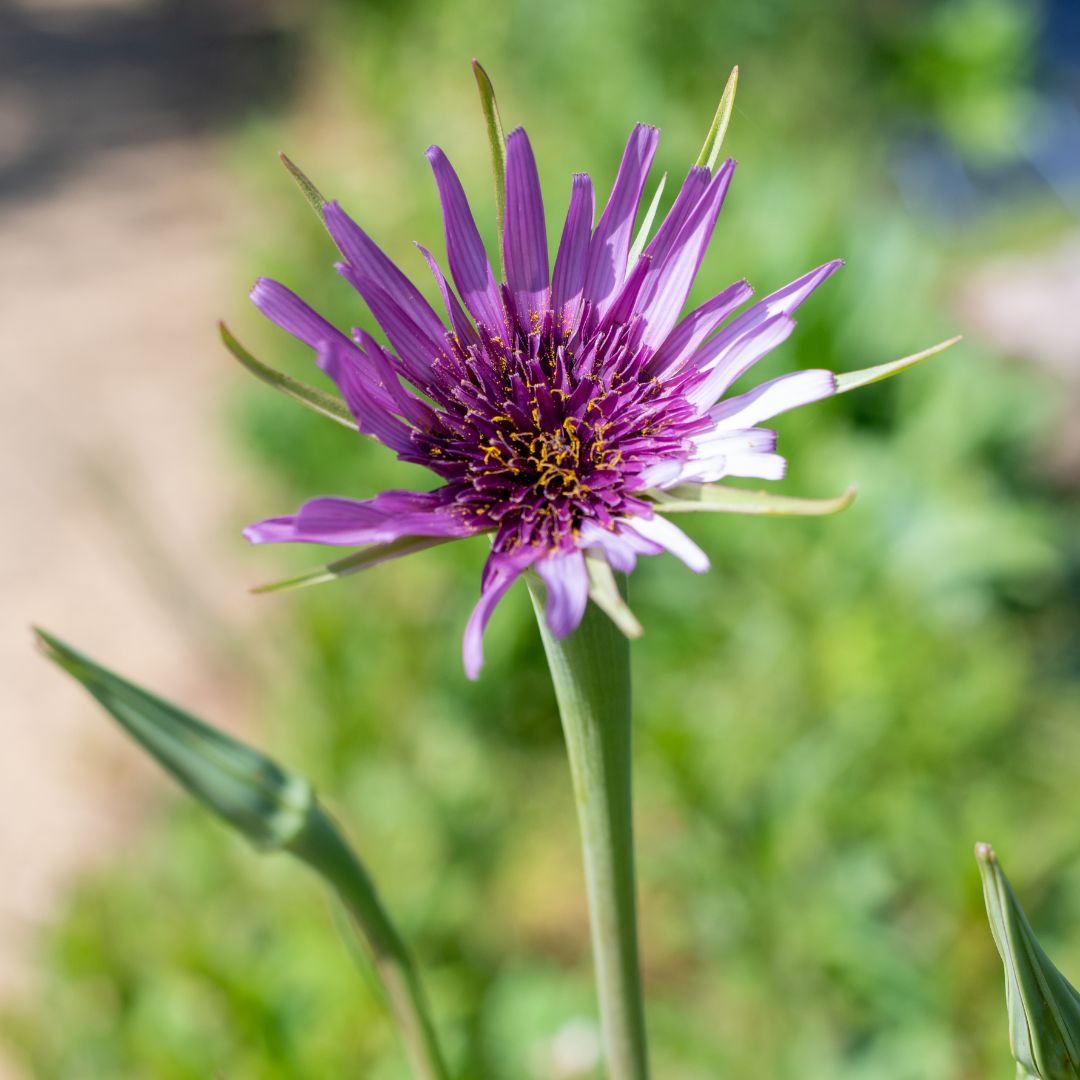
500 572
671 538
610 245
282 306
525 234
384 375
686 202
671 277
729 440
369 403
337 521
774 397
756 466
696 327
411 341
275 530
469 264
569 277
372 264
740 356
711 455
782 302
737 458
286 309
620 545
625 301
459 321
567 584
663 474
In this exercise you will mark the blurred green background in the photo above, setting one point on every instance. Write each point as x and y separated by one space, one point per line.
825 724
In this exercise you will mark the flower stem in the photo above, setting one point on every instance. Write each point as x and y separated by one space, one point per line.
591 673
323 848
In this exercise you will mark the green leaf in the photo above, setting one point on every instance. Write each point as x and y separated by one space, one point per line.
275 810
642 237
852 380
710 152
243 787
313 195
496 140
720 499
359 560
605 594
317 400
1043 1006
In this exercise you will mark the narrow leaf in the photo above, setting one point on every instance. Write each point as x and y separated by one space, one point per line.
710 152
720 499
317 400
313 195
496 139
852 380
243 787
642 237
1043 1006
275 810
604 593
359 560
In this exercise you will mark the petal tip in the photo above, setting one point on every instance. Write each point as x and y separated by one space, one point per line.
260 288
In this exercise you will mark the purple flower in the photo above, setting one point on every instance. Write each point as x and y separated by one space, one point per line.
557 406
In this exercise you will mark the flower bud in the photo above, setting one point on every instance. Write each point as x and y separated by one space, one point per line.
241 786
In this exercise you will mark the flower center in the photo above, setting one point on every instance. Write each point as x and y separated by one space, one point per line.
536 445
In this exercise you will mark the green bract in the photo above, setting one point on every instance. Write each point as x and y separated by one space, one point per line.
710 151
319 401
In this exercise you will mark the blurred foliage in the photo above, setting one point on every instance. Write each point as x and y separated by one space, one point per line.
825 722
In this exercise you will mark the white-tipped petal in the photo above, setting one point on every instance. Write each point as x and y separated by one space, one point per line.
671 538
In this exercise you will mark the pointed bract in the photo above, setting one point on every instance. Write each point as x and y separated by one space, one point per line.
496 139
710 152
317 400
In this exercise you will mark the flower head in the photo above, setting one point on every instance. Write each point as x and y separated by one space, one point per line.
557 406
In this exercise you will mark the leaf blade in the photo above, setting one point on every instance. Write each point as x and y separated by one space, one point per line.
237 783
276 810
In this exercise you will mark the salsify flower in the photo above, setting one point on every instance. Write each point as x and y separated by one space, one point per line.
560 407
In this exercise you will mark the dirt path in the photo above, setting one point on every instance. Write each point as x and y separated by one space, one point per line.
111 415
117 227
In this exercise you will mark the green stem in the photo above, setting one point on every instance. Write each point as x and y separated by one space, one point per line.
591 673
322 847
